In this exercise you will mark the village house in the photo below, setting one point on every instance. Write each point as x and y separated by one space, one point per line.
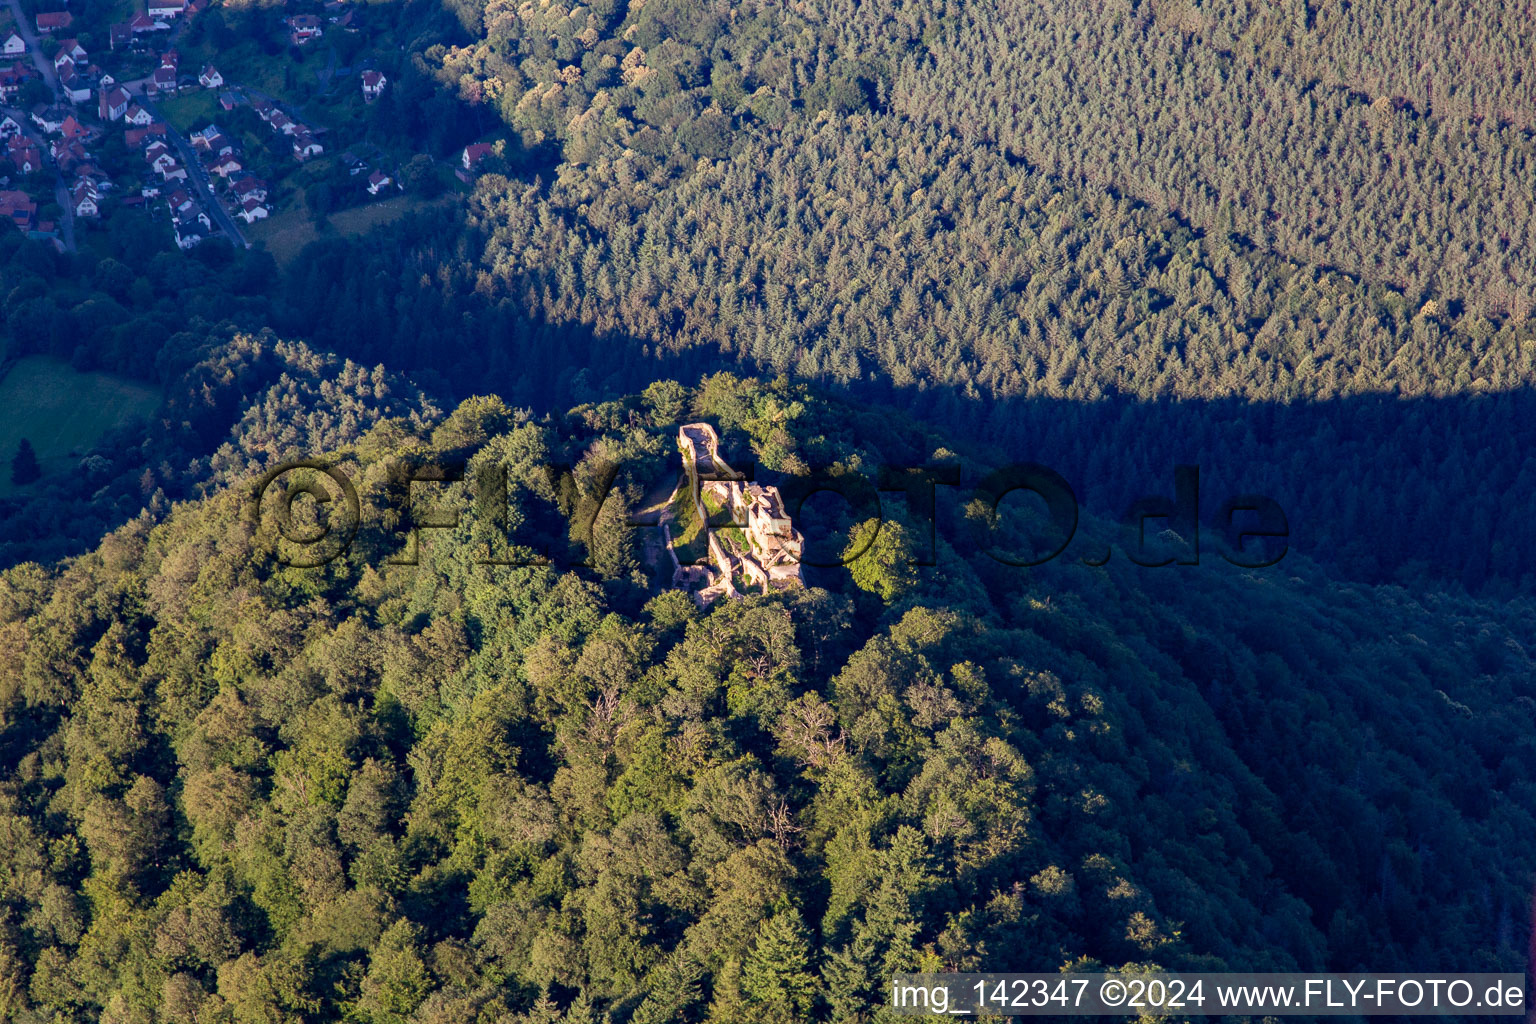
69 50
252 211
221 164
165 9
156 153
136 137
164 79
12 79
70 156
55 21
475 153
73 130
173 172
142 24
210 137
13 46
85 199
210 78
304 27
377 182
190 225
281 122
373 85
137 115
228 100
119 35
19 208
49 119
75 85
179 199
248 187
305 146
25 156
9 127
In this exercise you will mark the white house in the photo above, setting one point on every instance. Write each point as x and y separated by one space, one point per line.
476 152
53 21
304 27
84 197
373 85
27 157
71 49
75 86
210 78
139 116
163 80
165 8
252 211
305 146
248 188
13 46
49 119
378 181
158 155
189 230
226 165
9 127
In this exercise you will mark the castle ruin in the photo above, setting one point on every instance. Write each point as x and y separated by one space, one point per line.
761 548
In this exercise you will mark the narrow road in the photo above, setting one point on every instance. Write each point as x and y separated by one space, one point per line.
24 25
195 172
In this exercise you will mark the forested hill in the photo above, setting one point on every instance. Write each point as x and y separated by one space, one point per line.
456 792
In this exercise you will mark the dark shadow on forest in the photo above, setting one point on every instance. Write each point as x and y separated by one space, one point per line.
1428 491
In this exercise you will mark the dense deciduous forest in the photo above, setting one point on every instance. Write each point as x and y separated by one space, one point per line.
452 792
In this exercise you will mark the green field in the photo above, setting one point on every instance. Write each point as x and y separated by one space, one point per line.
286 234
60 410
191 110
